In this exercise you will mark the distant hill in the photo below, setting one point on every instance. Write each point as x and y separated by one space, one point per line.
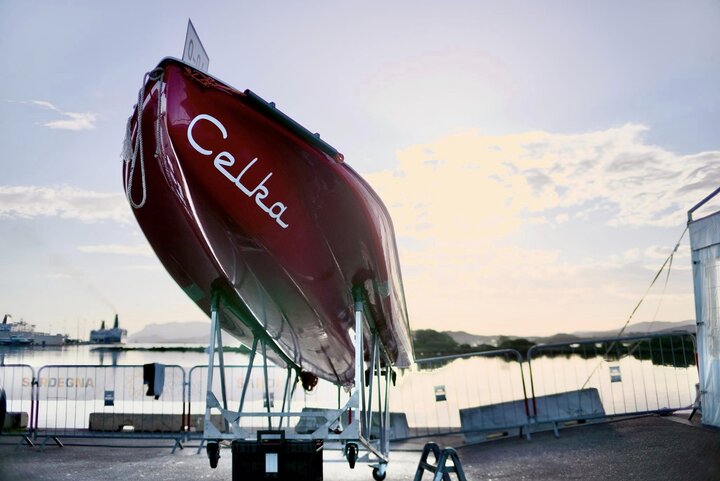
194 332
643 328
462 337
198 332
429 343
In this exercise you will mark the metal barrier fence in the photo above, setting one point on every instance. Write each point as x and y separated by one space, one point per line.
611 377
323 396
18 382
478 395
76 400
469 393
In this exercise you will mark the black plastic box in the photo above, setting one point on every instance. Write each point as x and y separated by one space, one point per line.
272 457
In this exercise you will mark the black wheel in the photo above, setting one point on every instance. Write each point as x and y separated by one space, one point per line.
377 476
213 452
352 455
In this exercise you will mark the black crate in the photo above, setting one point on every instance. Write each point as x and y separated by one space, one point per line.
272 457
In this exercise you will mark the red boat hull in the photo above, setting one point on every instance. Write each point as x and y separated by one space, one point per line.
242 201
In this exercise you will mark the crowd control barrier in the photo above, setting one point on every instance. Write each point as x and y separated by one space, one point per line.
110 401
599 378
478 395
18 381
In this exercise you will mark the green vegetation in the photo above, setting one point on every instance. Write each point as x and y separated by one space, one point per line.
670 350
519 344
431 343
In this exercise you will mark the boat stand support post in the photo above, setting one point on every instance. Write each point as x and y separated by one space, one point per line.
211 346
210 399
246 383
221 361
287 398
371 382
356 402
368 394
267 385
383 409
385 420
380 398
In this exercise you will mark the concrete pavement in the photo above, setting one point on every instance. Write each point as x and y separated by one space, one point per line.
645 448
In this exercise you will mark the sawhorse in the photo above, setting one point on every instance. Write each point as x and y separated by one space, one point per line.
442 470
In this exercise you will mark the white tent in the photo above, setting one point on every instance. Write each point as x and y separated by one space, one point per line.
705 246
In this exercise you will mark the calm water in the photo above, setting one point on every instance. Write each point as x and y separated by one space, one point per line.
97 355
623 386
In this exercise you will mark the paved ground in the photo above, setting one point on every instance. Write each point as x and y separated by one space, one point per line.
646 448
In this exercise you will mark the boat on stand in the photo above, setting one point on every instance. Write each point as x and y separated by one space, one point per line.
276 238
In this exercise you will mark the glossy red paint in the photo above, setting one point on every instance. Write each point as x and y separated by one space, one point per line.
239 201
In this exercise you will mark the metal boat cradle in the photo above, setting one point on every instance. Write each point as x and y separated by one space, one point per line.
326 302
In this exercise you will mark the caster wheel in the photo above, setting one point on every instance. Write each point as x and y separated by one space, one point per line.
213 452
377 476
352 455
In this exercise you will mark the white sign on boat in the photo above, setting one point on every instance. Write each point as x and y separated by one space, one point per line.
194 53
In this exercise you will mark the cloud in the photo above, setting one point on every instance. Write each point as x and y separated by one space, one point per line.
77 121
659 252
491 218
562 218
28 202
631 254
118 249
59 275
73 121
143 268
46 104
496 178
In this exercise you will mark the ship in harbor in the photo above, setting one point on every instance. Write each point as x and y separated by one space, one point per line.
23 334
108 336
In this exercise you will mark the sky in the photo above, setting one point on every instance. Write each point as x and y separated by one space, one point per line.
537 158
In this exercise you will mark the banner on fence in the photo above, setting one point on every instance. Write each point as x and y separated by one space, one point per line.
16 380
94 383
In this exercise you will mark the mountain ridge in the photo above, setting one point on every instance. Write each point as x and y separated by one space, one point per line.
644 327
198 332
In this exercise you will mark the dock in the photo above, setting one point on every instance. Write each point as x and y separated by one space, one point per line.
635 448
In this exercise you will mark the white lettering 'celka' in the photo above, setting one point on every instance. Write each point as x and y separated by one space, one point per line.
225 159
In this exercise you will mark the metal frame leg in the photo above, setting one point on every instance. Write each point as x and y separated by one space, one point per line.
368 393
351 424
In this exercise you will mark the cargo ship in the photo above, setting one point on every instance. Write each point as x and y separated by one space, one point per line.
115 335
23 334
